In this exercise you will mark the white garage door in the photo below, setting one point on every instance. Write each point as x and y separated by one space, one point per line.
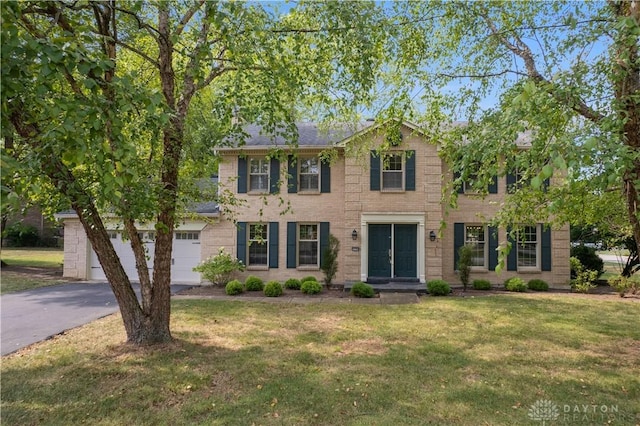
186 255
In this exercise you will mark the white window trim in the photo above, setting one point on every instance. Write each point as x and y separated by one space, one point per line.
319 174
248 243
268 174
309 266
485 242
403 158
538 252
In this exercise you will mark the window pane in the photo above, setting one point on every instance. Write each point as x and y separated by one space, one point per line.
476 240
258 253
257 232
528 247
392 162
309 182
308 232
258 182
309 165
392 180
308 253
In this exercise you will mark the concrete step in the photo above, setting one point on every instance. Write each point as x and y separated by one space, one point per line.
394 287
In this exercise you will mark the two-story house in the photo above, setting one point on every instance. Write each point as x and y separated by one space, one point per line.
384 206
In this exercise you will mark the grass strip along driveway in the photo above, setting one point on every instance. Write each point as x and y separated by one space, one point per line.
461 361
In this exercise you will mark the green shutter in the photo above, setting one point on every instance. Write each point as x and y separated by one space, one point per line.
458 241
242 175
292 183
546 249
493 248
456 176
325 177
292 230
374 178
512 258
511 183
493 186
324 239
410 173
241 248
274 176
273 244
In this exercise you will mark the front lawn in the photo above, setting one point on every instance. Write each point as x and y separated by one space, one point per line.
462 361
28 268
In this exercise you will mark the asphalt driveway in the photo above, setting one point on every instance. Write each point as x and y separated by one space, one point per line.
31 316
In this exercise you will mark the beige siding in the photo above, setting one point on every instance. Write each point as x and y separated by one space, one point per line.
76 252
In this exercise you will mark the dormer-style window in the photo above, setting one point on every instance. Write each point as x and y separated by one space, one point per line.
393 172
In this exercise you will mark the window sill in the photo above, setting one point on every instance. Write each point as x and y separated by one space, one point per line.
258 193
392 191
529 270
308 268
257 268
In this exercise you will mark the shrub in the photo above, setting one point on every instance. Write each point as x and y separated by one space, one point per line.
465 253
438 288
589 260
310 287
538 285
309 278
330 260
219 268
481 285
21 235
253 283
584 278
292 283
623 285
233 287
273 289
361 289
515 284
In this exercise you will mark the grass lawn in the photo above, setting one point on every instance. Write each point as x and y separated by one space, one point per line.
459 361
29 268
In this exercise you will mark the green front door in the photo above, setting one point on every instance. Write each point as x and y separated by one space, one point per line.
405 250
379 250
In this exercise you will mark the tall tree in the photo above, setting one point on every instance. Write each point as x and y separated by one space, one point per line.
565 77
97 100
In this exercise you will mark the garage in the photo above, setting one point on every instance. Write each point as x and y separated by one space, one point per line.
186 255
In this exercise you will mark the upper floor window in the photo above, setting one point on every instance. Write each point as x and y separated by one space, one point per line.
393 172
258 244
258 175
527 248
309 174
475 237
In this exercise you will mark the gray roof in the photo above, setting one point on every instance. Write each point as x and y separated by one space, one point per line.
309 134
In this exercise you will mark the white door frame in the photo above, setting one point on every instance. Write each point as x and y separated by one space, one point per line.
391 218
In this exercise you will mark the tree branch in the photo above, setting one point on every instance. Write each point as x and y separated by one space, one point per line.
187 17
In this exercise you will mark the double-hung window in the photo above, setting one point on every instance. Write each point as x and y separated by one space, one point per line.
308 244
258 244
476 238
309 174
258 174
392 172
528 247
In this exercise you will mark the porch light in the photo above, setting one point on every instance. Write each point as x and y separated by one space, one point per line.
432 235
354 235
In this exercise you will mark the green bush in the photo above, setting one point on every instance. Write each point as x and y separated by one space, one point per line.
309 278
21 235
292 283
219 268
538 285
310 287
330 259
465 253
361 289
273 289
624 285
253 283
438 288
589 260
481 285
583 282
234 287
515 284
